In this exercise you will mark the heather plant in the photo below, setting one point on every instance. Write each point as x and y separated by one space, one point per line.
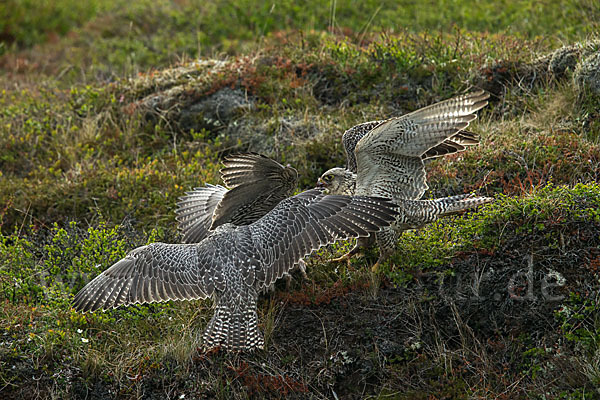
109 111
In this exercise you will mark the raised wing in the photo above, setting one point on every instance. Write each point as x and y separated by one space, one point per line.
456 143
195 211
240 169
351 138
308 221
153 273
257 184
389 158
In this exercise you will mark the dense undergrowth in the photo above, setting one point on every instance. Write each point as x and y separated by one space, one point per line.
106 117
130 350
103 149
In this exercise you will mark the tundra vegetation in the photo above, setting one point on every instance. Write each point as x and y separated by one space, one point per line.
110 110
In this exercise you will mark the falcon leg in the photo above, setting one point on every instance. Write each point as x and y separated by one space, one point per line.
288 281
301 265
269 289
363 242
386 239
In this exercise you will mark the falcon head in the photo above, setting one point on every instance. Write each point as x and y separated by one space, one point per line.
338 181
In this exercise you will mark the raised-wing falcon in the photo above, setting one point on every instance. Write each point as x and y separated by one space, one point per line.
233 263
386 158
256 185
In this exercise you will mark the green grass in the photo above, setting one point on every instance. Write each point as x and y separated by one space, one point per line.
43 269
115 38
220 25
101 149
99 137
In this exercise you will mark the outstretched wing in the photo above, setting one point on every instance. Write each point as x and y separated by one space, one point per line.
308 221
252 167
389 158
352 136
451 145
195 211
456 143
257 184
153 273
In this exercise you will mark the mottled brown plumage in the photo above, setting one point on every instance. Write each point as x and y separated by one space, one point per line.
386 158
232 264
256 184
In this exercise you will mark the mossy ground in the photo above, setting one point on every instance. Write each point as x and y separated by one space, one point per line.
106 119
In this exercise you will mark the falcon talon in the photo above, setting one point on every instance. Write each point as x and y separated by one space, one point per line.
345 257
375 267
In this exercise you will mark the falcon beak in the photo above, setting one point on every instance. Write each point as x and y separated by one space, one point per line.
322 186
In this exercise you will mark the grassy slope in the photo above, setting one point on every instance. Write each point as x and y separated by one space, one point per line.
80 145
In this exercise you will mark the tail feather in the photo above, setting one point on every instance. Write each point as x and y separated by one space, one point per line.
234 325
416 213
454 204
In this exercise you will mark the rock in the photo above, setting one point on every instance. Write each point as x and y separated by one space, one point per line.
496 78
563 60
268 137
587 75
218 109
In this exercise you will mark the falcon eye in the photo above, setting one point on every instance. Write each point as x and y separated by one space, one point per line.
328 178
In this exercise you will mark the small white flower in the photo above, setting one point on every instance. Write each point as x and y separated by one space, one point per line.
558 277
416 345
84 340
182 396
79 331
